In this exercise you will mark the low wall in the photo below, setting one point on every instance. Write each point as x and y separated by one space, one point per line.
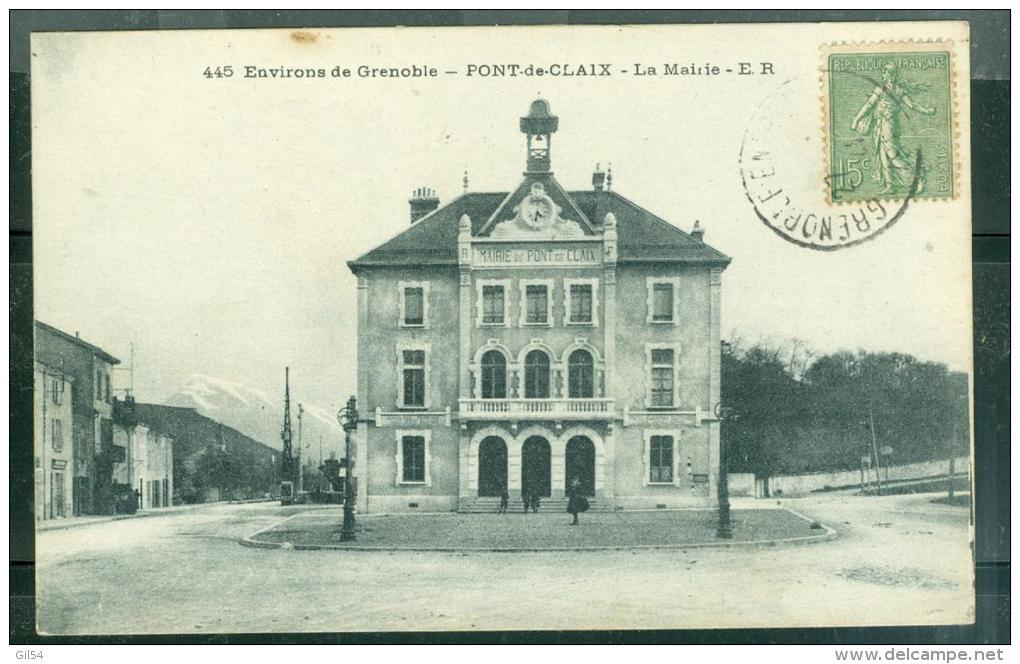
741 484
792 485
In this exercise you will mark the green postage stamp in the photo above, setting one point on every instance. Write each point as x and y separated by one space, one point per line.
889 121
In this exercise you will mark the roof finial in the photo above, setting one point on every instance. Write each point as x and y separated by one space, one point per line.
465 180
609 177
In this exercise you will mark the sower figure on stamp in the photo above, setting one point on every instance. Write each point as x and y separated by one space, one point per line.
880 115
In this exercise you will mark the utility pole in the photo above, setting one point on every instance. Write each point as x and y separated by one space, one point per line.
300 447
287 464
724 529
874 447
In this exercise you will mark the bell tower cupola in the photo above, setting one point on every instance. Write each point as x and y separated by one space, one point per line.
539 125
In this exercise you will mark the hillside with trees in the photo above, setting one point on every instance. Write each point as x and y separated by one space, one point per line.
794 412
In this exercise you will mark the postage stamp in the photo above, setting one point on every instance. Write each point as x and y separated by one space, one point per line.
889 121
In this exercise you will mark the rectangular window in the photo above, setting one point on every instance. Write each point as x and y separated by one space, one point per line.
661 462
57 388
414 378
662 378
57 435
414 305
662 303
414 458
493 309
537 301
580 303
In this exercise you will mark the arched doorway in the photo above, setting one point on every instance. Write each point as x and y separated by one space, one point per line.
491 466
536 471
580 461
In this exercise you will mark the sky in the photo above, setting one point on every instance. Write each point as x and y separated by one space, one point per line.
208 221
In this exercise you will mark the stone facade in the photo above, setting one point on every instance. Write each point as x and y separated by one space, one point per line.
526 340
54 451
147 466
91 431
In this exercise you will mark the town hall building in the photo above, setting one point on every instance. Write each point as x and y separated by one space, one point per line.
523 340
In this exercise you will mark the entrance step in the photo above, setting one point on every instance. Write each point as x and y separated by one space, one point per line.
490 505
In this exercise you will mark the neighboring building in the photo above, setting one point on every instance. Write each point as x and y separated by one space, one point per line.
523 339
90 434
54 452
209 460
147 460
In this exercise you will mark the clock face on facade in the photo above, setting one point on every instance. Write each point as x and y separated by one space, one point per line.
537 210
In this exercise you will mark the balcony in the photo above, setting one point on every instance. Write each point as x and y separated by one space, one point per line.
537 409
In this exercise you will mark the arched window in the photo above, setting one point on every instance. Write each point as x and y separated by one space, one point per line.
536 375
582 375
493 375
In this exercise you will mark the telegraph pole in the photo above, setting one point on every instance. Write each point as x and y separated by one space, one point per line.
300 447
287 463
874 447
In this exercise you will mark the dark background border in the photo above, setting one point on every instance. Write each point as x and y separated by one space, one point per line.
990 132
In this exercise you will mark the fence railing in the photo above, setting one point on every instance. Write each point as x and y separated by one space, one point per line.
564 409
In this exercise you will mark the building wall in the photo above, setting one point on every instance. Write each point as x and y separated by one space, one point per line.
625 443
558 336
380 335
621 336
148 459
158 471
92 414
692 338
54 456
380 339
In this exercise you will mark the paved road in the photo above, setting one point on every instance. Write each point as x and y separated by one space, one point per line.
898 560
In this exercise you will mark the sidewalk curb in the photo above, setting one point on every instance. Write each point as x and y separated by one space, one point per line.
53 524
828 535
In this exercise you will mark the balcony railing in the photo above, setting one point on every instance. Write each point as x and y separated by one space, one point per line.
537 409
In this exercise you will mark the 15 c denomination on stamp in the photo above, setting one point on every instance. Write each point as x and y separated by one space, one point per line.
889 121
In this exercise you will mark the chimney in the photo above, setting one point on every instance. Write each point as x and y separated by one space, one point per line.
598 178
423 200
698 233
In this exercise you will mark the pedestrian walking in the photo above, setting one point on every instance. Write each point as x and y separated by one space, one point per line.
578 502
504 500
526 497
534 502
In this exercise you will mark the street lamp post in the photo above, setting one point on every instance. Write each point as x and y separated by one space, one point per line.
724 530
348 418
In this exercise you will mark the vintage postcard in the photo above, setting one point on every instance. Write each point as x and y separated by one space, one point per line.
506 328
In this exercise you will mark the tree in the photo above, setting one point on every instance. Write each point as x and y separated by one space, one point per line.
801 413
